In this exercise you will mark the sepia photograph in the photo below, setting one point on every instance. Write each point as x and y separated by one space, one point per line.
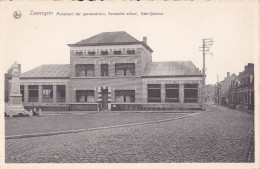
155 84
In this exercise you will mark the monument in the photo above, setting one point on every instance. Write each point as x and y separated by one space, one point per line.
14 106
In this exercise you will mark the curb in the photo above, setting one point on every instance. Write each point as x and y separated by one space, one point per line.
92 129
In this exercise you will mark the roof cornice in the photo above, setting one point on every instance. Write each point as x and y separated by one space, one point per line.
112 43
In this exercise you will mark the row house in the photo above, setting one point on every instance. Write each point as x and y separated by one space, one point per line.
222 90
242 89
113 71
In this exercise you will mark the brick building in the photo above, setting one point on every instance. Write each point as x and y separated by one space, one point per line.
242 89
222 90
114 71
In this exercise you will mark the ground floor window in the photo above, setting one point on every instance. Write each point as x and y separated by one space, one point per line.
125 96
190 93
22 92
154 93
85 96
47 93
61 93
171 93
33 93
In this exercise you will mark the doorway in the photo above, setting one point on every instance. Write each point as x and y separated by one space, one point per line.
105 99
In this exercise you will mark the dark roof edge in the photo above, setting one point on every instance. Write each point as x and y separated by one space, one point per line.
171 76
112 43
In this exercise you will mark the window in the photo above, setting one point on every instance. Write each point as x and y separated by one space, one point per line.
246 97
125 96
83 96
104 52
154 92
79 53
190 93
131 52
47 93
22 92
125 69
33 93
118 52
61 93
172 92
91 53
85 70
104 69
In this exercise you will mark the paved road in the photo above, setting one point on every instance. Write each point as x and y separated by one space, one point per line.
223 135
56 123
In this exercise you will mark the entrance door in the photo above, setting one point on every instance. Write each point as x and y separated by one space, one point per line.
104 99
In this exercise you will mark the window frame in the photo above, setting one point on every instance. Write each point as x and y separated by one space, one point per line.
152 88
171 87
188 87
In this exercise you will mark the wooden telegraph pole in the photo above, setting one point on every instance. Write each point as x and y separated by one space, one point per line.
205 49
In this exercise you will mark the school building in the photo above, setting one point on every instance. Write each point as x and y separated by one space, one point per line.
112 71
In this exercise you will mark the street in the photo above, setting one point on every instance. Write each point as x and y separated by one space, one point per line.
217 135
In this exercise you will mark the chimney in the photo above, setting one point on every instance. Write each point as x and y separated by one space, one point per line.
250 65
228 74
145 39
246 67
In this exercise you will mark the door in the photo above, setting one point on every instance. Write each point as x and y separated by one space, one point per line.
104 99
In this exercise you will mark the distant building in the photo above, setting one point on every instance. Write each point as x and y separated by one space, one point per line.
210 93
113 71
222 90
242 89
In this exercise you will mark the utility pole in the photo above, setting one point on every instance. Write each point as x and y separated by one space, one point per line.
205 49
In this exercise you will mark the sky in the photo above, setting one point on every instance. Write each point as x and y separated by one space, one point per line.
176 35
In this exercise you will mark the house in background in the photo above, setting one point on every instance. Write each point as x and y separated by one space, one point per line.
210 93
242 89
222 90
112 71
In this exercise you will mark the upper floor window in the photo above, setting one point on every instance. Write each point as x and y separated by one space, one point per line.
85 70
104 69
131 52
79 53
104 52
91 53
125 69
117 52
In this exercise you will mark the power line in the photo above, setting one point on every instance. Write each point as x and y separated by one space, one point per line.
205 49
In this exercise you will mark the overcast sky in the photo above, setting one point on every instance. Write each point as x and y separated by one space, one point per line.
175 36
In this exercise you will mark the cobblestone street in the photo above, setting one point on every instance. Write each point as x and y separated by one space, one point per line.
218 135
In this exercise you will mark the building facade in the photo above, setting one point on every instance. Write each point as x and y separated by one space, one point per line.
113 71
222 90
242 89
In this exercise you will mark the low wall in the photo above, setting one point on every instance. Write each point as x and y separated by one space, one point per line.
153 106
84 107
48 107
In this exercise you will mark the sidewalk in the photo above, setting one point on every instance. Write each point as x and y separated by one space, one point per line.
237 108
